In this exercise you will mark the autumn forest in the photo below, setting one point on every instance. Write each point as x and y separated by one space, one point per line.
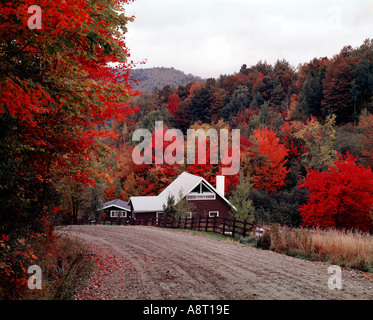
67 118
298 125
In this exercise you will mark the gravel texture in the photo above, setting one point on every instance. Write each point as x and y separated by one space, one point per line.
149 263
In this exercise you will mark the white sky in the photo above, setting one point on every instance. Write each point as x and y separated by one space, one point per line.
212 37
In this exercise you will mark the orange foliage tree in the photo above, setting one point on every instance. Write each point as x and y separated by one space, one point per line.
270 156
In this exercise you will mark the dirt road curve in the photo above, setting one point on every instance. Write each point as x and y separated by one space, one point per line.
137 262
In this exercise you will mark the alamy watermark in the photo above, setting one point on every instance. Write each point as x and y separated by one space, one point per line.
34 21
335 280
34 282
174 152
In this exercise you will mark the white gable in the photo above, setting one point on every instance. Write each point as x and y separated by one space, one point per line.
183 184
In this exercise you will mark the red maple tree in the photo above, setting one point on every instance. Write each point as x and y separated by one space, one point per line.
58 95
340 198
270 172
57 83
172 103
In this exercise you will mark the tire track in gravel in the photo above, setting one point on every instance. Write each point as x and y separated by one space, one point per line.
179 265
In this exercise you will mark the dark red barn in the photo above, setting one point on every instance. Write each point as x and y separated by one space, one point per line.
208 201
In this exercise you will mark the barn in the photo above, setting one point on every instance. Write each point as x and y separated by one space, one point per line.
207 200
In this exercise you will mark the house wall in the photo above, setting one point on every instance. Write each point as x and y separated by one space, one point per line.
202 209
147 215
204 206
106 214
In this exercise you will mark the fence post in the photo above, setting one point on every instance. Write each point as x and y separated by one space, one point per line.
207 223
224 226
185 222
165 221
199 223
191 223
214 225
178 222
234 227
244 228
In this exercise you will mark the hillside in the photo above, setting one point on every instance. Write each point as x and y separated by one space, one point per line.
151 78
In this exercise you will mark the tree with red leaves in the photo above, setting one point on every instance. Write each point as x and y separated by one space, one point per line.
340 198
58 93
172 103
57 89
56 84
270 171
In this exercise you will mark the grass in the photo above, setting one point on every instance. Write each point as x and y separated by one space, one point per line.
344 248
206 234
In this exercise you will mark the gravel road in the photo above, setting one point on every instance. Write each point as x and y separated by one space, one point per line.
147 263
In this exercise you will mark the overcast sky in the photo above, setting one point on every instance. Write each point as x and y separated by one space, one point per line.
212 37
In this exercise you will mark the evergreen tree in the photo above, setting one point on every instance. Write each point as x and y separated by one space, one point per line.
169 209
240 100
337 88
200 105
311 95
243 204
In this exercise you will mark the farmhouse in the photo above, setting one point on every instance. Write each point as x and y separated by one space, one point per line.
208 201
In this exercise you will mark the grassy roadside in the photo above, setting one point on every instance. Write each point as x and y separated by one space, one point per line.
64 271
344 248
349 249
207 234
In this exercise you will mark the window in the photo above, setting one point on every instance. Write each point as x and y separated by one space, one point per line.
213 214
201 196
118 214
201 192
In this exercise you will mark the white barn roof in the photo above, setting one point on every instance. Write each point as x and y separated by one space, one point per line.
146 204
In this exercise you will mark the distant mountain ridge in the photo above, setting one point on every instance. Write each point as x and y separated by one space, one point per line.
151 78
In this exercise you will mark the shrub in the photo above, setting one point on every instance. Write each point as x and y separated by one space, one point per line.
62 260
279 208
264 242
340 198
249 241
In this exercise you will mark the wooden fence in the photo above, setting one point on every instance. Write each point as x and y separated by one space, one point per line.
225 226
